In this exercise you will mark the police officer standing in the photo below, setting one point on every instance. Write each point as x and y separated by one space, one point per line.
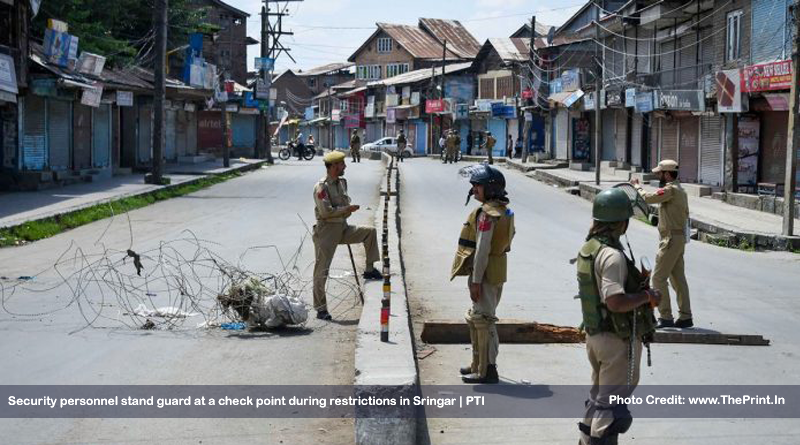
617 314
489 145
673 217
481 256
355 146
332 208
401 144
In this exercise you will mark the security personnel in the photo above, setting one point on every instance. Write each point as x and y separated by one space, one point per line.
332 207
355 146
449 141
617 315
489 145
481 256
673 218
401 144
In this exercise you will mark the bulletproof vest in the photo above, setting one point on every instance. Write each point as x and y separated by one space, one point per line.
496 270
596 316
401 139
490 141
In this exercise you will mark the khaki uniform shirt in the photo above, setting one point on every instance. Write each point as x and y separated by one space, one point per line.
611 272
330 200
673 211
355 142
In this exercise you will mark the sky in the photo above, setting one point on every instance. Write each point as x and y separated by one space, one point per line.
328 31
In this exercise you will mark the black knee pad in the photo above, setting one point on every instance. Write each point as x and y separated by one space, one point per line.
622 420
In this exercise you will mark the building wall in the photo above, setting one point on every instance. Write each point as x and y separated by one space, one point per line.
300 98
720 39
370 55
771 30
232 38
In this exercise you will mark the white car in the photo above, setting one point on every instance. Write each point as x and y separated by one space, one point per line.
389 145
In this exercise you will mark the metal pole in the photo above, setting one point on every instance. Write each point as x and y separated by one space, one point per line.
355 273
792 140
160 92
598 120
526 128
261 128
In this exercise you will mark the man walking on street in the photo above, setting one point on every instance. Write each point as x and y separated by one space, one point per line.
332 208
401 144
355 146
617 316
509 147
481 256
489 146
673 218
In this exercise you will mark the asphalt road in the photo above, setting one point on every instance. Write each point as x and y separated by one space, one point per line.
258 209
732 291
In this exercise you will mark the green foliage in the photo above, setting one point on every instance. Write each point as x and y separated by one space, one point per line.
46 228
119 29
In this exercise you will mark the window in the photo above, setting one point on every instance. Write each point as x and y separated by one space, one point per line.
733 48
384 45
312 82
394 69
344 105
369 72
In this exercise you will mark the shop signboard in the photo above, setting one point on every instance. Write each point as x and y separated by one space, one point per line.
767 77
680 100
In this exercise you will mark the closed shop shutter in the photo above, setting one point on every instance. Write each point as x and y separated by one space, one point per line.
34 146
191 134
170 152
687 60
636 139
689 148
609 142
669 139
102 136
562 132
667 63
711 150
128 133
180 133
82 136
244 133
622 134
655 135
373 132
774 126
498 129
59 133
145 134
422 138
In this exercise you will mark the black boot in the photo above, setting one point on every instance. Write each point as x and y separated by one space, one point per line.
664 323
324 315
491 376
465 370
374 274
685 323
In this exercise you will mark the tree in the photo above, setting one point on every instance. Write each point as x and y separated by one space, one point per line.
121 30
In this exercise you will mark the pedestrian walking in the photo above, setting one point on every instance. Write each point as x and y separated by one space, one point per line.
355 146
484 241
617 317
332 208
673 231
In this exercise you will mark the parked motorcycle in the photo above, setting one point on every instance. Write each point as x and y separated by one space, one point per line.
302 151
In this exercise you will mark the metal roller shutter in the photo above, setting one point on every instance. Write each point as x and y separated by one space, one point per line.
170 153
669 139
689 148
687 62
711 150
636 139
655 135
667 63
244 131
128 130
59 133
145 134
773 146
422 138
622 134
101 134
191 133
609 142
562 122
82 136
34 139
180 137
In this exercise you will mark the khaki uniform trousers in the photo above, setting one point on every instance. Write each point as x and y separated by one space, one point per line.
669 266
328 235
608 355
481 320
355 152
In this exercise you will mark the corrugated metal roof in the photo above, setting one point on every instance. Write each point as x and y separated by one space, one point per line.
420 75
416 41
458 38
510 50
325 69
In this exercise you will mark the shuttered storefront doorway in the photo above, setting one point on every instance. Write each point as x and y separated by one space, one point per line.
59 133
772 162
711 150
101 131
82 136
689 128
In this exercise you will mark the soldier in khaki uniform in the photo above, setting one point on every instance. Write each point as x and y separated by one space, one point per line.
453 143
489 146
616 303
481 256
332 207
355 146
401 144
673 216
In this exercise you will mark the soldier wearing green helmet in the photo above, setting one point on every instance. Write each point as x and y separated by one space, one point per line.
617 303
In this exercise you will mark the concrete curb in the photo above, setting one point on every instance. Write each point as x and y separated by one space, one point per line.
69 210
712 232
383 368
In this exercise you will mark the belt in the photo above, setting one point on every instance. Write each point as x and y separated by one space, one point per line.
672 232
466 243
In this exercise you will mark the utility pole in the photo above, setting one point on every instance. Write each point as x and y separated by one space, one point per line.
598 120
792 141
527 126
159 94
262 127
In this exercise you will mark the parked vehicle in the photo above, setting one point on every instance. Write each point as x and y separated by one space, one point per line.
303 151
388 145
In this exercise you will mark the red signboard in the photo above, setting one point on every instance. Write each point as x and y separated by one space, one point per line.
209 130
527 94
434 106
767 77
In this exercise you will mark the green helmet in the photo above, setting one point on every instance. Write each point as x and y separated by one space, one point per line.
612 205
